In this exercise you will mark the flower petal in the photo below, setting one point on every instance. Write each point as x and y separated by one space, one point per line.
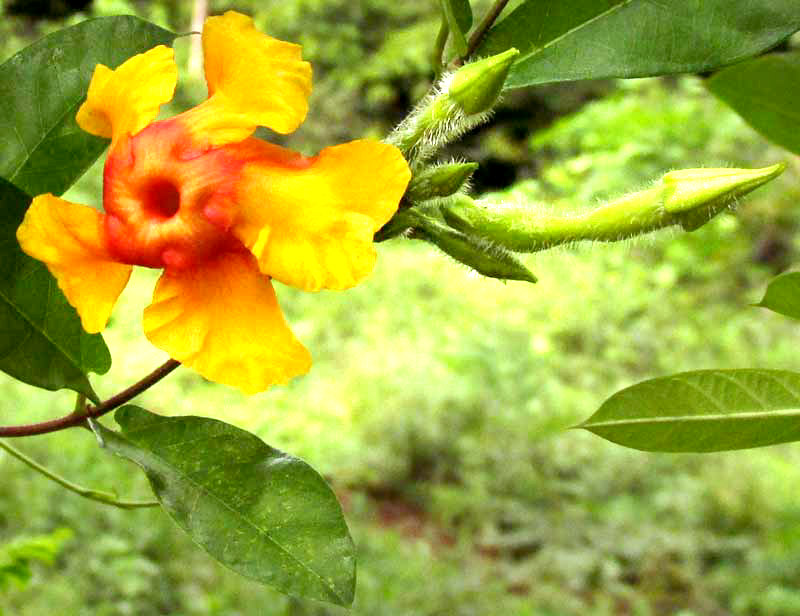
311 226
253 80
125 100
69 238
222 319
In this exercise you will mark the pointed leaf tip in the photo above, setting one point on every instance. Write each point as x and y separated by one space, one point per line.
783 295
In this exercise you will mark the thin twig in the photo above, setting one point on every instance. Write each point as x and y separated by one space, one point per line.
480 32
107 498
92 412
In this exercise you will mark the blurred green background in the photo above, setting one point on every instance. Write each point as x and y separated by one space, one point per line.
439 402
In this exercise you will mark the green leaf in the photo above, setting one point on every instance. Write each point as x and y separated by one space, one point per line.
708 410
458 14
783 295
765 92
42 149
41 339
564 40
463 14
263 513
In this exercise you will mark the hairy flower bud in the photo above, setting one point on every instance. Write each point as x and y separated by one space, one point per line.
476 87
689 198
457 103
697 195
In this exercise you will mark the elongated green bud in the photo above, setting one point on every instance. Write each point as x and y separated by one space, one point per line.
439 181
698 195
487 259
689 198
459 102
476 87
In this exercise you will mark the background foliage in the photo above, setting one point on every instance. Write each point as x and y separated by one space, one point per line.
438 401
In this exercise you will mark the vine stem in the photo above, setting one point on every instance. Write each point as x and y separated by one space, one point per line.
438 49
481 30
107 498
92 412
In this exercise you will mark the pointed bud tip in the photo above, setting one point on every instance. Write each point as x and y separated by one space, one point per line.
725 173
476 87
693 188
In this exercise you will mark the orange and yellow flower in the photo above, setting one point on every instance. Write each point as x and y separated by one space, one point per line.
219 210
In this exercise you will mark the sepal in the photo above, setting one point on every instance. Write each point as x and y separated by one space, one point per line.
486 258
439 181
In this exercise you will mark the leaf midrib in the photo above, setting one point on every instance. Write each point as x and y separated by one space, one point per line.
743 416
577 28
30 152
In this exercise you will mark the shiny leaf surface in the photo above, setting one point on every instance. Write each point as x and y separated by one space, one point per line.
564 40
261 512
708 410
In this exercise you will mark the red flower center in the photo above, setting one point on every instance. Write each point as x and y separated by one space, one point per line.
161 198
167 204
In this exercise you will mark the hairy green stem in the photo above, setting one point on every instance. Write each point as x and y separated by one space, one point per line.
107 498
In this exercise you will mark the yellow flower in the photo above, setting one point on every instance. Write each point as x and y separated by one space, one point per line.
220 211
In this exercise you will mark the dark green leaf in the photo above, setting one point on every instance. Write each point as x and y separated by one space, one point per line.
42 149
41 338
783 295
463 14
765 92
259 511
708 410
459 18
564 40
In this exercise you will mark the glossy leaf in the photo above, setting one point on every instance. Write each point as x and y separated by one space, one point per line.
458 14
41 339
765 92
564 40
783 295
42 149
708 410
261 512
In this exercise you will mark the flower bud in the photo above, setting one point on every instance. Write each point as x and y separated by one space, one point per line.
439 181
697 195
688 198
476 87
457 103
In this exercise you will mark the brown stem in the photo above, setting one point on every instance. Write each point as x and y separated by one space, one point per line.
92 412
481 30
